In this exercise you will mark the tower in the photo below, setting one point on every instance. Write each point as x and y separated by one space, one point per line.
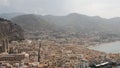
39 52
5 46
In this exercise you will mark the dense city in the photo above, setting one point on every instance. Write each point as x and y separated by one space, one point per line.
46 54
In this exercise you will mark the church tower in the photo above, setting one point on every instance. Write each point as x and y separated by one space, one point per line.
39 52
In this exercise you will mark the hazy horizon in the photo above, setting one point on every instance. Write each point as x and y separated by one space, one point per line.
104 8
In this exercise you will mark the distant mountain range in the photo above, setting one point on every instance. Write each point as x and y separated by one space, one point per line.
10 15
73 23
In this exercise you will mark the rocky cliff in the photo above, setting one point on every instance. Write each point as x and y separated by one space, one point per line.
10 31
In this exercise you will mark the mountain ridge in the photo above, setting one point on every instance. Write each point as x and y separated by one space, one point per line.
72 22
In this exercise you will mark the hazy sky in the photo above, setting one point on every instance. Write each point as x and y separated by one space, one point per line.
103 8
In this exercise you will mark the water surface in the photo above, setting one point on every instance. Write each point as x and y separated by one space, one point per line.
113 47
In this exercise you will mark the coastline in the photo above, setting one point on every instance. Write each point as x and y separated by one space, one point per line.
100 46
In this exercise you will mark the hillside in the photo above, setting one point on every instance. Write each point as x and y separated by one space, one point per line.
32 23
10 30
72 23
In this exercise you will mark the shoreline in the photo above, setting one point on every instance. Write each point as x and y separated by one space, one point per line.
101 44
92 47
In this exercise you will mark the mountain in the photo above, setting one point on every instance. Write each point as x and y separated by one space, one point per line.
77 22
31 22
86 24
10 15
72 23
10 31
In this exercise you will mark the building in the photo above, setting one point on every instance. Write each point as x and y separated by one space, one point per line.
4 47
14 58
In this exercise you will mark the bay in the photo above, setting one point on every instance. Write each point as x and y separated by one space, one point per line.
112 47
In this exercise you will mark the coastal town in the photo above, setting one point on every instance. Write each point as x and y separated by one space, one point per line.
48 49
43 53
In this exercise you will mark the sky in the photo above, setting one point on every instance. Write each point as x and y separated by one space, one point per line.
103 8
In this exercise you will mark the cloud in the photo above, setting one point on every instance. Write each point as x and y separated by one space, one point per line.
4 2
104 8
